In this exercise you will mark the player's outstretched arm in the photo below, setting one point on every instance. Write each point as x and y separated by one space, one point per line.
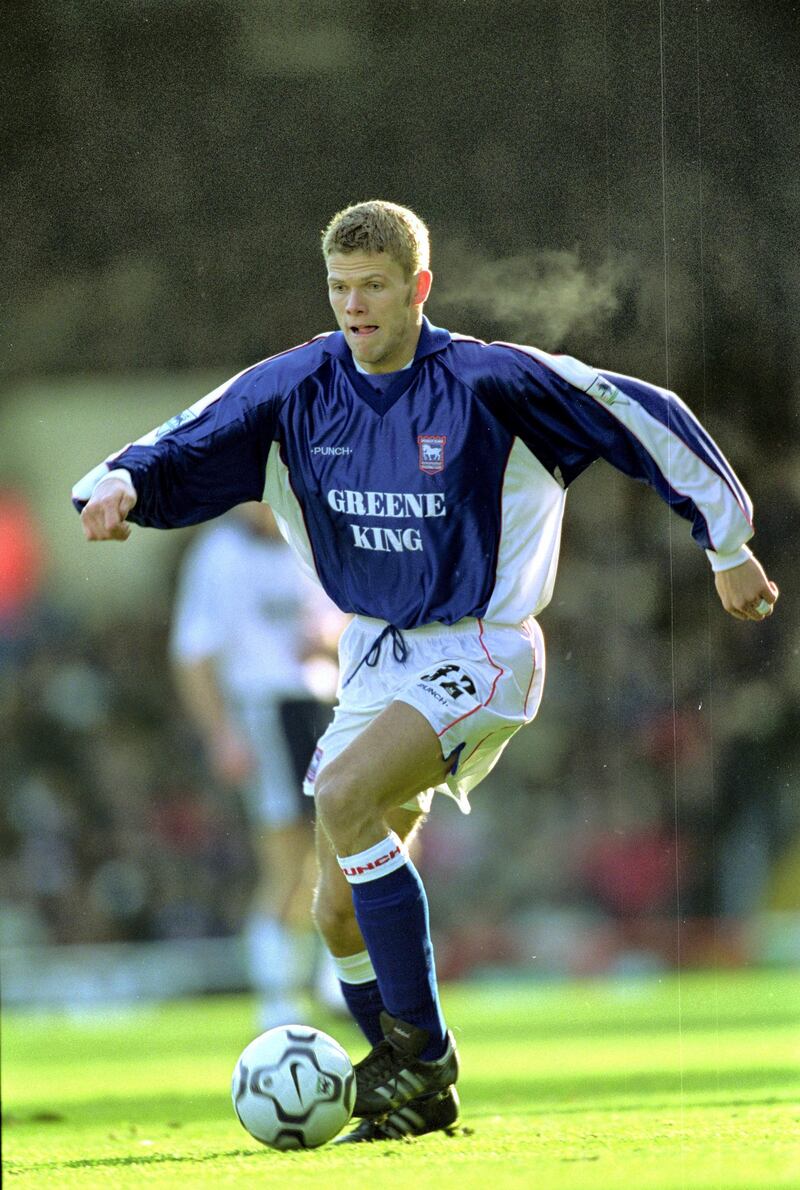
745 591
103 517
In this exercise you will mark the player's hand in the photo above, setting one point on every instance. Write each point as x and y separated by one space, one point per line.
745 591
103 517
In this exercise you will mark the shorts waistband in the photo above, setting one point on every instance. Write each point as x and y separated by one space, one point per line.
469 624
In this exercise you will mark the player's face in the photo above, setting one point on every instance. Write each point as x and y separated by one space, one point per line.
377 307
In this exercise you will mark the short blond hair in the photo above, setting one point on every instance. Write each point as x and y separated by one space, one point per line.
378 226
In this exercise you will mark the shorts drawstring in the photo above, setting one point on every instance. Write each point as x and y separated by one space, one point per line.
372 655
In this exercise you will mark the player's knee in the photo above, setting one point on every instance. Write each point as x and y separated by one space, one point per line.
340 802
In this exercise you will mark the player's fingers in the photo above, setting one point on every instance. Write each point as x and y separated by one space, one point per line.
736 614
763 607
92 523
769 597
103 523
112 517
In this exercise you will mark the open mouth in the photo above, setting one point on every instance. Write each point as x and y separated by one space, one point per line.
362 332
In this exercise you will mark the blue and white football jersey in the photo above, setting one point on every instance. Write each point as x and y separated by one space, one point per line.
440 495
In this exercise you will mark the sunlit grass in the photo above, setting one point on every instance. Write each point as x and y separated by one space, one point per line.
663 1083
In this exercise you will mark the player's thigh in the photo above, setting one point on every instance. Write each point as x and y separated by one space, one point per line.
395 757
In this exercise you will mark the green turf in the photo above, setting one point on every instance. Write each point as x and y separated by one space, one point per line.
689 1083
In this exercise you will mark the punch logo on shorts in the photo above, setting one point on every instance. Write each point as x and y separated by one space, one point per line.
452 679
431 453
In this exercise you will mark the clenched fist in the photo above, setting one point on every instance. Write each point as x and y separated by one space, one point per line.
103 517
745 591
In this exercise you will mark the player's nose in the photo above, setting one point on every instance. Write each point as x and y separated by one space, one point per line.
355 302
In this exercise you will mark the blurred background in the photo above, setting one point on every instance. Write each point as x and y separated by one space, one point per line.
616 180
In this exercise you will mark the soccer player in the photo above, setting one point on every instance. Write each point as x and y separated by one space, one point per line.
421 476
249 644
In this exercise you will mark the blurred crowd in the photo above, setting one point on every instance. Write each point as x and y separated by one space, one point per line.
109 830
658 784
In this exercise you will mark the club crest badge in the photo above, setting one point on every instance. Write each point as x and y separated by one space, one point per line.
431 453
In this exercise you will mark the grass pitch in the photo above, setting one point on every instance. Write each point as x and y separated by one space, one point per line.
691 1083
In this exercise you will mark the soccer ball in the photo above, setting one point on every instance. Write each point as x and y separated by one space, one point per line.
293 1087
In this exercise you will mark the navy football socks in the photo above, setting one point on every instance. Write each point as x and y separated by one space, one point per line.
392 912
365 1003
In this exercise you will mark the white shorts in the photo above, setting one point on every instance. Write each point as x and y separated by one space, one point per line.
475 683
281 735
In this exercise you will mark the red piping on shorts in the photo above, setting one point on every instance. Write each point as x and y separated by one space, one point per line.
498 676
477 746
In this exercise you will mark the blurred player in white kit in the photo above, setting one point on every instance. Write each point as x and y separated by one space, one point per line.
252 644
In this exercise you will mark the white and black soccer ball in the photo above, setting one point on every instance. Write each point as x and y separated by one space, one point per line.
293 1087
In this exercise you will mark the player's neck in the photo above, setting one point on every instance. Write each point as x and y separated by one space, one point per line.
364 371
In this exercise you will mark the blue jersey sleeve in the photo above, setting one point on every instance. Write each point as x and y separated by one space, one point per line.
570 414
657 438
201 462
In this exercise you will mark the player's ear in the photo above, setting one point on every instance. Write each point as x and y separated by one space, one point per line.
422 287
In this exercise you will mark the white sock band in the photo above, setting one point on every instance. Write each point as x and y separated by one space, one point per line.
354 968
376 861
